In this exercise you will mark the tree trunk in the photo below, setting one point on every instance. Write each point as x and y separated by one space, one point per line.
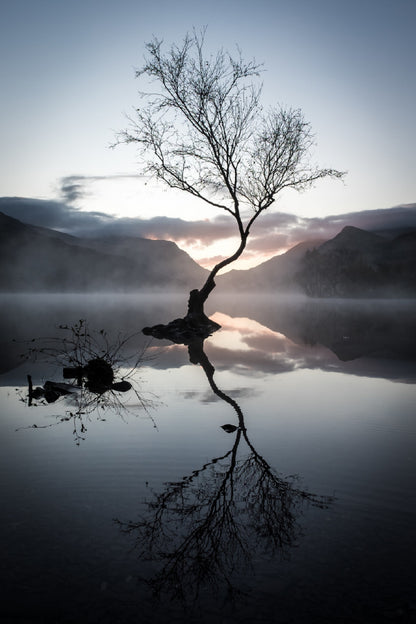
196 302
197 297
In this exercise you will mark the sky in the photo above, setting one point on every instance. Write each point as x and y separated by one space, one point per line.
68 83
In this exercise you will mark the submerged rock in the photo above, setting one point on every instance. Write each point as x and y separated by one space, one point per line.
51 391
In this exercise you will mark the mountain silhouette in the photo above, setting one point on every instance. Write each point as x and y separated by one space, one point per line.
357 263
354 263
276 274
355 239
33 258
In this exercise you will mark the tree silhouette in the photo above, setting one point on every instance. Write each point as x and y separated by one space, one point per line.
204 528
204 131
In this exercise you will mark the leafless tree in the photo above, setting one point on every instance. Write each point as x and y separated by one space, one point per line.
204 131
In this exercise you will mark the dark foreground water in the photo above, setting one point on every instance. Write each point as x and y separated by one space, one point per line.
139 507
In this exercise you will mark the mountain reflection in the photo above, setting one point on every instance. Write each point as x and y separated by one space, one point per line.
203 531
260 335
350 329
365 339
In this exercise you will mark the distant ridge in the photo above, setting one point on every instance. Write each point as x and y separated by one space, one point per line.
354 239
38 259
278 273
354 263
357 263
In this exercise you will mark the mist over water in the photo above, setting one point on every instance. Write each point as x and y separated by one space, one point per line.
152 506
357 336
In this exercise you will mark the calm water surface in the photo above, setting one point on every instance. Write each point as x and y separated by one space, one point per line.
139 506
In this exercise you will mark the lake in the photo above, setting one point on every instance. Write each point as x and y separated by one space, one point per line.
264 475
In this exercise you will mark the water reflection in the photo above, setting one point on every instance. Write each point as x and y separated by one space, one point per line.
367 337
354 340
203 531
260 335
232 513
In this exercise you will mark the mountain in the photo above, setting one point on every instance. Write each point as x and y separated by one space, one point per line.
38 259
278 273
354 239
357 263
159 261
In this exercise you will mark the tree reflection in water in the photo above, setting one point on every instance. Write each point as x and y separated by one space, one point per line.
203 530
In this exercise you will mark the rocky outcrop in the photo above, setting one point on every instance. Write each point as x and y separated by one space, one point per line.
183 330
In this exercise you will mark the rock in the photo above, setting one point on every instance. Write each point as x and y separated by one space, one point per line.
183 330
121 386
55 386
52 390
38 393
73 372
51 396
99 374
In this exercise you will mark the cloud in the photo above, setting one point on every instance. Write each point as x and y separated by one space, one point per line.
210 261
174 228
71 220
273 233
374 220
277 232
52 214
74 187
269 242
